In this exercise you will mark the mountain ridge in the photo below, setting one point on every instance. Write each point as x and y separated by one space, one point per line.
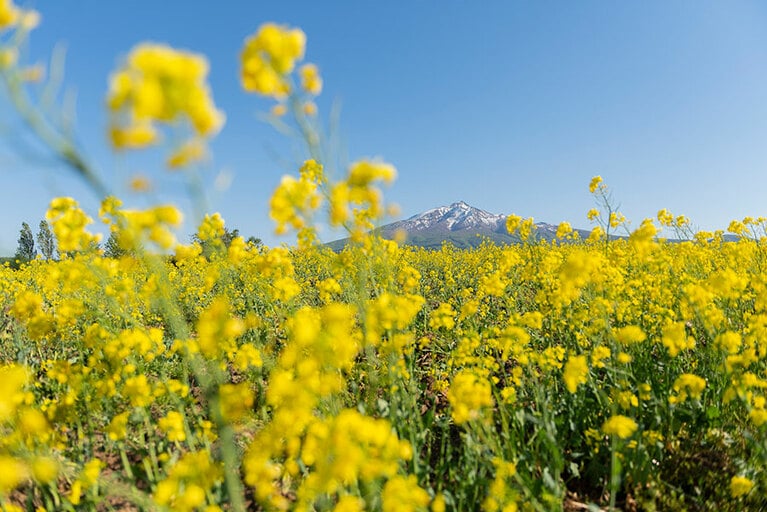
460 224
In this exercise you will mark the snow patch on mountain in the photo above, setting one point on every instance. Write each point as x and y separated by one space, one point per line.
461 225
456 217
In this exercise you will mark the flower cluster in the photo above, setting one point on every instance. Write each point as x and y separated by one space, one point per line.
159 84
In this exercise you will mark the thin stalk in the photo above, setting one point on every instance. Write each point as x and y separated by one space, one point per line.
63 148
150 443
615 472
126 463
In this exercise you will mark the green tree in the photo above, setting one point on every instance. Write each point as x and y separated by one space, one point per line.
45 241
229 236
112 247
224 241
26 250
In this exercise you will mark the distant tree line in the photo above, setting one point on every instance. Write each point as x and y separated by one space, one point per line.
208 246
46 244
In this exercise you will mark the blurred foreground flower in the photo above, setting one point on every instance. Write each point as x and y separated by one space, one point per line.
159 84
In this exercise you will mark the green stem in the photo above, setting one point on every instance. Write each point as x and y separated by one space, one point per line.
150 444
615 473
126 463
231 469
64 149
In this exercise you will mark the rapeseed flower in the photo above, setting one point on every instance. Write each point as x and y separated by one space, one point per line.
576 373
686 386
740 486
269 56
595 183
675 338
629 335
159 84
468 395
402 494
620 426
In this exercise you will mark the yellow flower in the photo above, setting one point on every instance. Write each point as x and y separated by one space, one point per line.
598 356
526 228
159 84
596 234
349 504
13 378
468 395
629 334
501 497
191 151
364 172
740 486
643 237
187 482
69 225
173 426
279 110
9 14
12 473
443 316
758 416
90 473
576 372
44 469
737 227
402 494
33 423
310 108
729 341
268 56
294 202
247 356
626 399
665 217
594 184
675 338
138 135
211 227
619 425
138 390
616 219
118 427
8 57
311 81
512 223
217 329
564 229
438 503
687 385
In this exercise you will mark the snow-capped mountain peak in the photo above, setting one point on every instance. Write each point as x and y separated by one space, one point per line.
458 216
461 225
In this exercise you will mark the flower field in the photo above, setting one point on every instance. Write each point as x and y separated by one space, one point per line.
531 376
611 373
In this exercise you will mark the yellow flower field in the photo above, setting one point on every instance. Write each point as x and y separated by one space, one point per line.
623 372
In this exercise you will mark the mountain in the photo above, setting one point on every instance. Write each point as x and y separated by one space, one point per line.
460 224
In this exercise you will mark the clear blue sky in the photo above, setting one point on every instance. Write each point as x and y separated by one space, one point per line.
509 106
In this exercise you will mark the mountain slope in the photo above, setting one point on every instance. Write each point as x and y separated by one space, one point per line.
460 224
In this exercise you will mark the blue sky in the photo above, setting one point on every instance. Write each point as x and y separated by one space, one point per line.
509 106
